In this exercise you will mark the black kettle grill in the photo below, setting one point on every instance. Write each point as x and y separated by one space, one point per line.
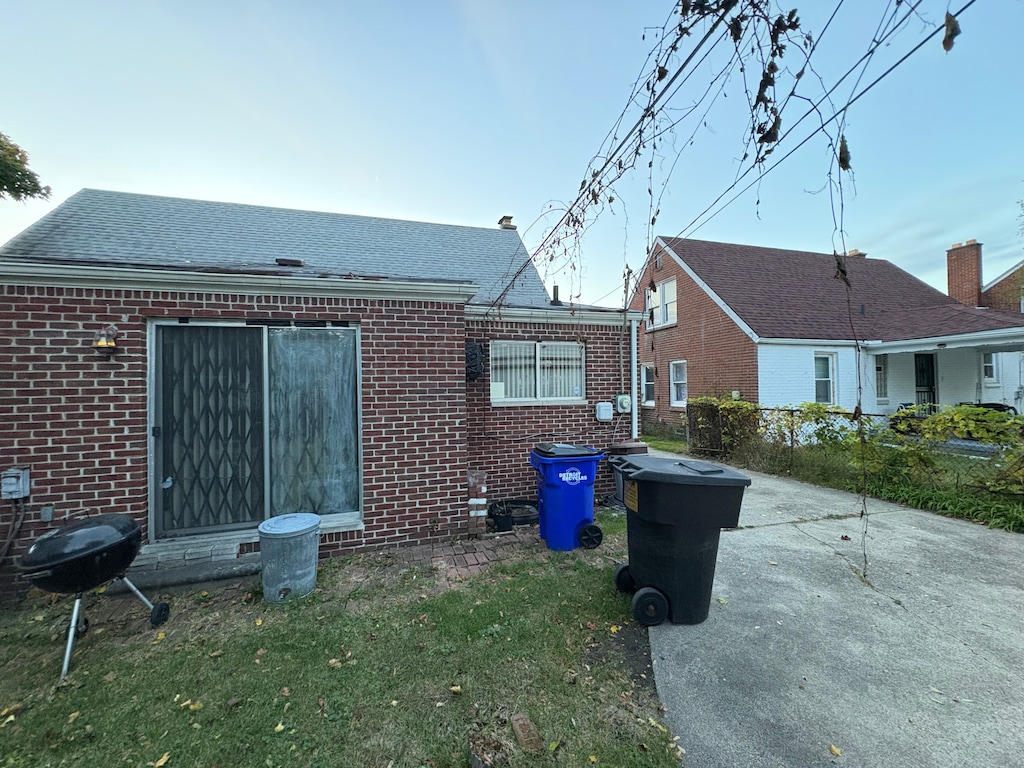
81 556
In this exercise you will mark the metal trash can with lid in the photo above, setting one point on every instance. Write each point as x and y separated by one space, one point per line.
675 511
565 494
289 550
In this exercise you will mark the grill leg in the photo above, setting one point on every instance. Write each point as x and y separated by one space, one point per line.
138 594
71 635
157 613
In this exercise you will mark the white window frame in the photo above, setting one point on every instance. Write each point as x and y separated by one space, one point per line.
675 380
577 398
647 379
831 359
663 312
990 369
882 378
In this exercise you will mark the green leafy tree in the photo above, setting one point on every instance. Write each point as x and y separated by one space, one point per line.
17 181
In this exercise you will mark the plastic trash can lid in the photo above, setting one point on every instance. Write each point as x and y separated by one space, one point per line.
294 524
564 450
678 471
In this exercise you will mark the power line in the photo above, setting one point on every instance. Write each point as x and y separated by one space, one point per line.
587 187
817 130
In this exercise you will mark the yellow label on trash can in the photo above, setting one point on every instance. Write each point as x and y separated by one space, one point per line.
629 495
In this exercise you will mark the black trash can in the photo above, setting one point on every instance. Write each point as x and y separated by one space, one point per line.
675 511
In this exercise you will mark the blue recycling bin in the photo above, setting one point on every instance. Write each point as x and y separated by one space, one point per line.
565 495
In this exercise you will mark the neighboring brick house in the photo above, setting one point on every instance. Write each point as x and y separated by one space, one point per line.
1003 372
779 327
267 361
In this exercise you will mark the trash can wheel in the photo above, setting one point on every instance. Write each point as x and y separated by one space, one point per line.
590 536
650 606
159 614
624 581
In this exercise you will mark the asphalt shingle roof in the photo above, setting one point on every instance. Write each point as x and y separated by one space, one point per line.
786 294
121 229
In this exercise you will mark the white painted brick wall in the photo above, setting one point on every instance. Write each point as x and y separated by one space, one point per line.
787 374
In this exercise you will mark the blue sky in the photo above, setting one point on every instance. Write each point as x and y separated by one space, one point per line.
461 112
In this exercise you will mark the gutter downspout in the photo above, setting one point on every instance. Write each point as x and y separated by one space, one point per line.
633 389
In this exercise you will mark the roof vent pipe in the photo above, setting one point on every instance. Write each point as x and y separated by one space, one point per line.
554 301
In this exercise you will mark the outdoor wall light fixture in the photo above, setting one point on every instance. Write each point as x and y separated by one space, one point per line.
105 340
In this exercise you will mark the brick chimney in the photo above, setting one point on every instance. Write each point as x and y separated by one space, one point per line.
963 272
505 222
856 252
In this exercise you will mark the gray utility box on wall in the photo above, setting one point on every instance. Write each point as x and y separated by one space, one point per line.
675 511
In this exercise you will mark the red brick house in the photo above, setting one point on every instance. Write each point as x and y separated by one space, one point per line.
1002 372
779 327
202 366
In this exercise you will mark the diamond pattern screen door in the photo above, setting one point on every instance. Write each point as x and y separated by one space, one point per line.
209 428
221 463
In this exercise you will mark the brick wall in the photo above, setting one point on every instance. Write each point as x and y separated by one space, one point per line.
79 420
720 358
500 438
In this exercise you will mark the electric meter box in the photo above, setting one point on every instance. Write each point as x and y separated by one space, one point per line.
623 403
14 483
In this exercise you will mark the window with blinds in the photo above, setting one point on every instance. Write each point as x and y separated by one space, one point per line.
537 371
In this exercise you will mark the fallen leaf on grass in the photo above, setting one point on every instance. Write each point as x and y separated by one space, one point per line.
259 622
614 628
456 689
13 709
835 750
162 761
279 727
234 701
9 719
286 691
73 716
159 636
195 706
334 663
215 654
657 725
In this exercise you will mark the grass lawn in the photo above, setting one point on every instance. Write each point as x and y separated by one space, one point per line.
384 665
672 444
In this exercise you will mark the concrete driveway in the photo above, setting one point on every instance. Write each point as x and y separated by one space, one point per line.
918 663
